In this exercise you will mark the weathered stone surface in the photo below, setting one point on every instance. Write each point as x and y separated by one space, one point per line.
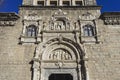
59 45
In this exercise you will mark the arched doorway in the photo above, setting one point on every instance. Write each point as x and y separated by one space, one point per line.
60 77
58 59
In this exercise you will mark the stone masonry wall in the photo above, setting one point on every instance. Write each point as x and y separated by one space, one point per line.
103 58
15 59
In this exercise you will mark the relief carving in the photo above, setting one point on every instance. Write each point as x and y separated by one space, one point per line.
59 22
60 55
60 12
59 25
7 23
112 20
32 17
87 16
59 64
76 25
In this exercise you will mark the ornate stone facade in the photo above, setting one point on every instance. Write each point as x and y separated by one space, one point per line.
60 39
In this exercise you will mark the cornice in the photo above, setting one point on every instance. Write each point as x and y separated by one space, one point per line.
59 7
8 19
8 16
111 18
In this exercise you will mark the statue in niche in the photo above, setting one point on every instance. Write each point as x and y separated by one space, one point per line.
44 25
76 25
68 26
57 25
52 26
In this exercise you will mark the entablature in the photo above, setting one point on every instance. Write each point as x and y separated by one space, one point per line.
8 19
31 7
111 18
59 2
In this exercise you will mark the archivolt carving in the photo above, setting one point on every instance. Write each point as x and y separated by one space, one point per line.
45 49
62 52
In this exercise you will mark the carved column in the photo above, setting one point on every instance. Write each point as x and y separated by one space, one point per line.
36 70
73 2
34 2
47 2
39 25
60 2
87 72
24 30
79 71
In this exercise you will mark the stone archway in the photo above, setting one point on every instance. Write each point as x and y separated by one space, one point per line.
57 56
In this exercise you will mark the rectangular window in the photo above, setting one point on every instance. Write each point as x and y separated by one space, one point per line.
88 30
53 3
40 3
66 3
78 3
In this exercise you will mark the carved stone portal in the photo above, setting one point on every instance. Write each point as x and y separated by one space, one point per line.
57 58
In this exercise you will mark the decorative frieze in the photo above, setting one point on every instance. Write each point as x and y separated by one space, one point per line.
7 23
8 19
89 16
111 18
32 18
